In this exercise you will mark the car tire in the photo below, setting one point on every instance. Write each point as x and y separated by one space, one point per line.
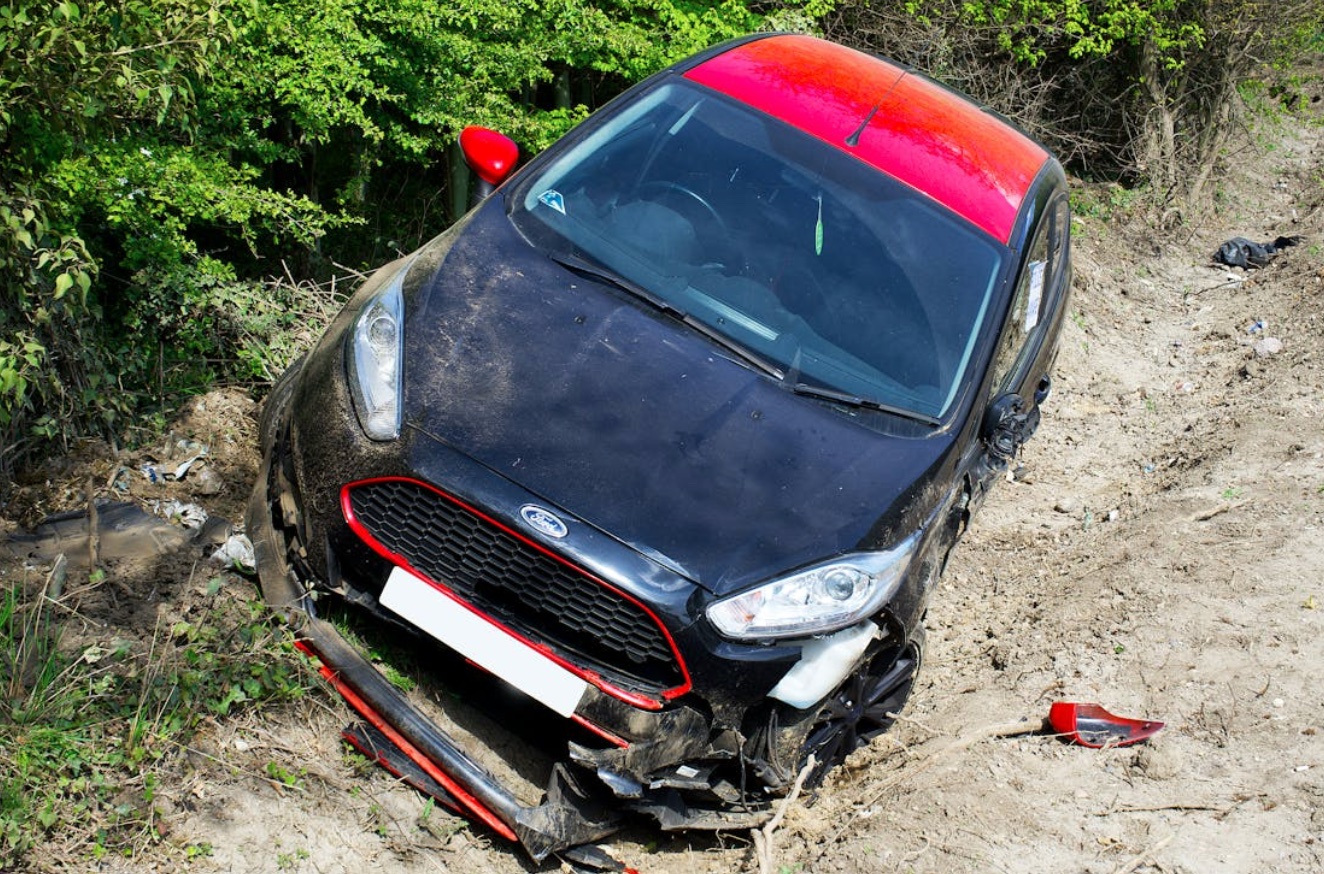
863 707
850 717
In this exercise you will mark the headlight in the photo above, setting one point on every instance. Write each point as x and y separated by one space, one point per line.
375 345
818 600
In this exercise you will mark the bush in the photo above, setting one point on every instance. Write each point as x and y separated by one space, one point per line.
1140 91
108 186
162 158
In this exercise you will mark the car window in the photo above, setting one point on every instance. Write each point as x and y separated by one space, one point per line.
837 274
1039 282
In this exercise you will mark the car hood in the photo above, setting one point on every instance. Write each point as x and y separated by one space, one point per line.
637 425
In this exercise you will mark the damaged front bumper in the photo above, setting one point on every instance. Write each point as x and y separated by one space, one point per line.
655 761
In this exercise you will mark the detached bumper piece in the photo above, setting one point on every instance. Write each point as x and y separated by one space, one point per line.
587 793
375 745
567 816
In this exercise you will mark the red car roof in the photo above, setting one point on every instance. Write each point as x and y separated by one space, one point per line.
909 127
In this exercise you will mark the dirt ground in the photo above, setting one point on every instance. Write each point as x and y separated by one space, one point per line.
1160 552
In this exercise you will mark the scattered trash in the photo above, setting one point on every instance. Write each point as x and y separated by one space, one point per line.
237 552
1089 725
1243 253
120 482
181 470
187 515
1260 325
157 471
589 858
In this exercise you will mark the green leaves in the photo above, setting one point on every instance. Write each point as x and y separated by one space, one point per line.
161 156
87 736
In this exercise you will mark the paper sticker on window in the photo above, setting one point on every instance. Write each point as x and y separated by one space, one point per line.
1036 294
553 199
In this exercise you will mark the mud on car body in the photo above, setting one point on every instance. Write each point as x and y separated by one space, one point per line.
668 440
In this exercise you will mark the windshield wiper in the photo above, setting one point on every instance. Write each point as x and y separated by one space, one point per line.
850 400
604 274
745 355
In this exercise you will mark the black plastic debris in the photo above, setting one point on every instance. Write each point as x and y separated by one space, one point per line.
588 858
122 530
1241 252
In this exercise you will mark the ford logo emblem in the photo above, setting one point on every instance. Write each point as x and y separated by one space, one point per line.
543 520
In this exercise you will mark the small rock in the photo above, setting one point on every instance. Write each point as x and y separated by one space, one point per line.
1067 505
207 482
1268 346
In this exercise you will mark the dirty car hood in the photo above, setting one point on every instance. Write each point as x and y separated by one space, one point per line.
636 424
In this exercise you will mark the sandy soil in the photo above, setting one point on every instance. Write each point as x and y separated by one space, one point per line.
1161 552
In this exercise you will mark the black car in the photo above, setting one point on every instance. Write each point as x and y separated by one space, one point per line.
667 441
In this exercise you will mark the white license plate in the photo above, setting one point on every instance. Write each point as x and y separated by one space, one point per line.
478 640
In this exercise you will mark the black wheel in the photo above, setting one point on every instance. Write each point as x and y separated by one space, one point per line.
860 709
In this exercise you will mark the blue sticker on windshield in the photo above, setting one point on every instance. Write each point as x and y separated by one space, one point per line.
553 198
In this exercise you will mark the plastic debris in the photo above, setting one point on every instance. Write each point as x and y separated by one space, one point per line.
1089 725
237 552
1243 253
162 471
123 529
187 515
181 470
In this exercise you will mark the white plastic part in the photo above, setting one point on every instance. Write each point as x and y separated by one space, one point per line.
823 664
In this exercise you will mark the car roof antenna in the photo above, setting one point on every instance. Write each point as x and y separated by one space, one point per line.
854 139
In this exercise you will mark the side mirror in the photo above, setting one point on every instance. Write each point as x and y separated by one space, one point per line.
1007 425
490 154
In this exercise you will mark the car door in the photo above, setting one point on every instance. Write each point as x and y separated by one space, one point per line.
1021 377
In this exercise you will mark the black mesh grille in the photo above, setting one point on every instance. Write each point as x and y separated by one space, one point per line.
516 584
